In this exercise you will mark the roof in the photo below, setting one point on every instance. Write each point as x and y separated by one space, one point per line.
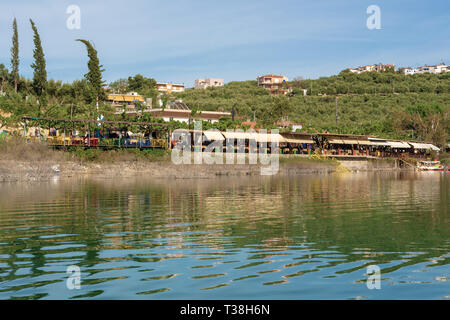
238 135
172 84
273 76
336 141
269 137
399 145
213 135
298 140
124 97
187 114
364 143
177 105
424 146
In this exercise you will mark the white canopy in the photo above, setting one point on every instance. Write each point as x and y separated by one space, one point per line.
380 143
399 145
238 135
298 140
433 147
269 137
213 135
336 141
424 146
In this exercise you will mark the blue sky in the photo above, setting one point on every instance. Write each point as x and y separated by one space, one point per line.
181 40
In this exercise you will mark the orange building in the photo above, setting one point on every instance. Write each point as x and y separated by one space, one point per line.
169 87
276 84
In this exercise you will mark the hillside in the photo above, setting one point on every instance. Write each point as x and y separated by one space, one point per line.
386 104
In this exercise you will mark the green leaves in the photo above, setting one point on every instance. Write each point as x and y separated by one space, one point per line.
15 55
40 73
94 76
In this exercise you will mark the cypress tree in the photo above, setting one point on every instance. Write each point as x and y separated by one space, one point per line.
40 74
94 76
15 55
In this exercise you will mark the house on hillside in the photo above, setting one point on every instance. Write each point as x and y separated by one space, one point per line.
408 70
164 87
210 82
128 101
276 84
179 111
372 67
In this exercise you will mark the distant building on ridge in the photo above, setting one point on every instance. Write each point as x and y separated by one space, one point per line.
210 82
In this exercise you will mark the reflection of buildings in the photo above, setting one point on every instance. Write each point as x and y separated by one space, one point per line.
306 215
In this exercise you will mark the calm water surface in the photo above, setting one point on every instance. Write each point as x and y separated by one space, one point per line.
307 237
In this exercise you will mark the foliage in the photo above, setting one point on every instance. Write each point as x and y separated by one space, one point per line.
40 73
94 75
15 55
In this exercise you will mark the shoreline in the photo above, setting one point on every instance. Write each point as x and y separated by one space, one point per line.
42 170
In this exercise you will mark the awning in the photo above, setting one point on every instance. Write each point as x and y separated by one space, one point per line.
213 135
380 143
364 143
399 145
269 137
433 147
336 141
350 141
300 141
421 146
238 135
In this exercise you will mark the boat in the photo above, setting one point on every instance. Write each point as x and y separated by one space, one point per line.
430 166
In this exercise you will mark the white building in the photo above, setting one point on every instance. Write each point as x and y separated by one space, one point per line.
435 69
409 70
210 82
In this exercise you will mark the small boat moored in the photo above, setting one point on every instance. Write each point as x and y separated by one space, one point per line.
430 166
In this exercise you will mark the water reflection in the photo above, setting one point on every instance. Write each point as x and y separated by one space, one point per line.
272 238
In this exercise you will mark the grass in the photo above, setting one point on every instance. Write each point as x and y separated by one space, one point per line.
16 149
300 159
119 155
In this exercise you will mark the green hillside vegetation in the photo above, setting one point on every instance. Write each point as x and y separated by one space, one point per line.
386 104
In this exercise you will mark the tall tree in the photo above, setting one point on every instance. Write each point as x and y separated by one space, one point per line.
40 73
15 55
3 76
94 76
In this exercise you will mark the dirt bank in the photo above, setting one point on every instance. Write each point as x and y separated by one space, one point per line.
11 170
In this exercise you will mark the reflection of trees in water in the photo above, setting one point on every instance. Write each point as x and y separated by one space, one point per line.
363 217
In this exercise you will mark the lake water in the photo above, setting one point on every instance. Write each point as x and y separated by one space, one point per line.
305 237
